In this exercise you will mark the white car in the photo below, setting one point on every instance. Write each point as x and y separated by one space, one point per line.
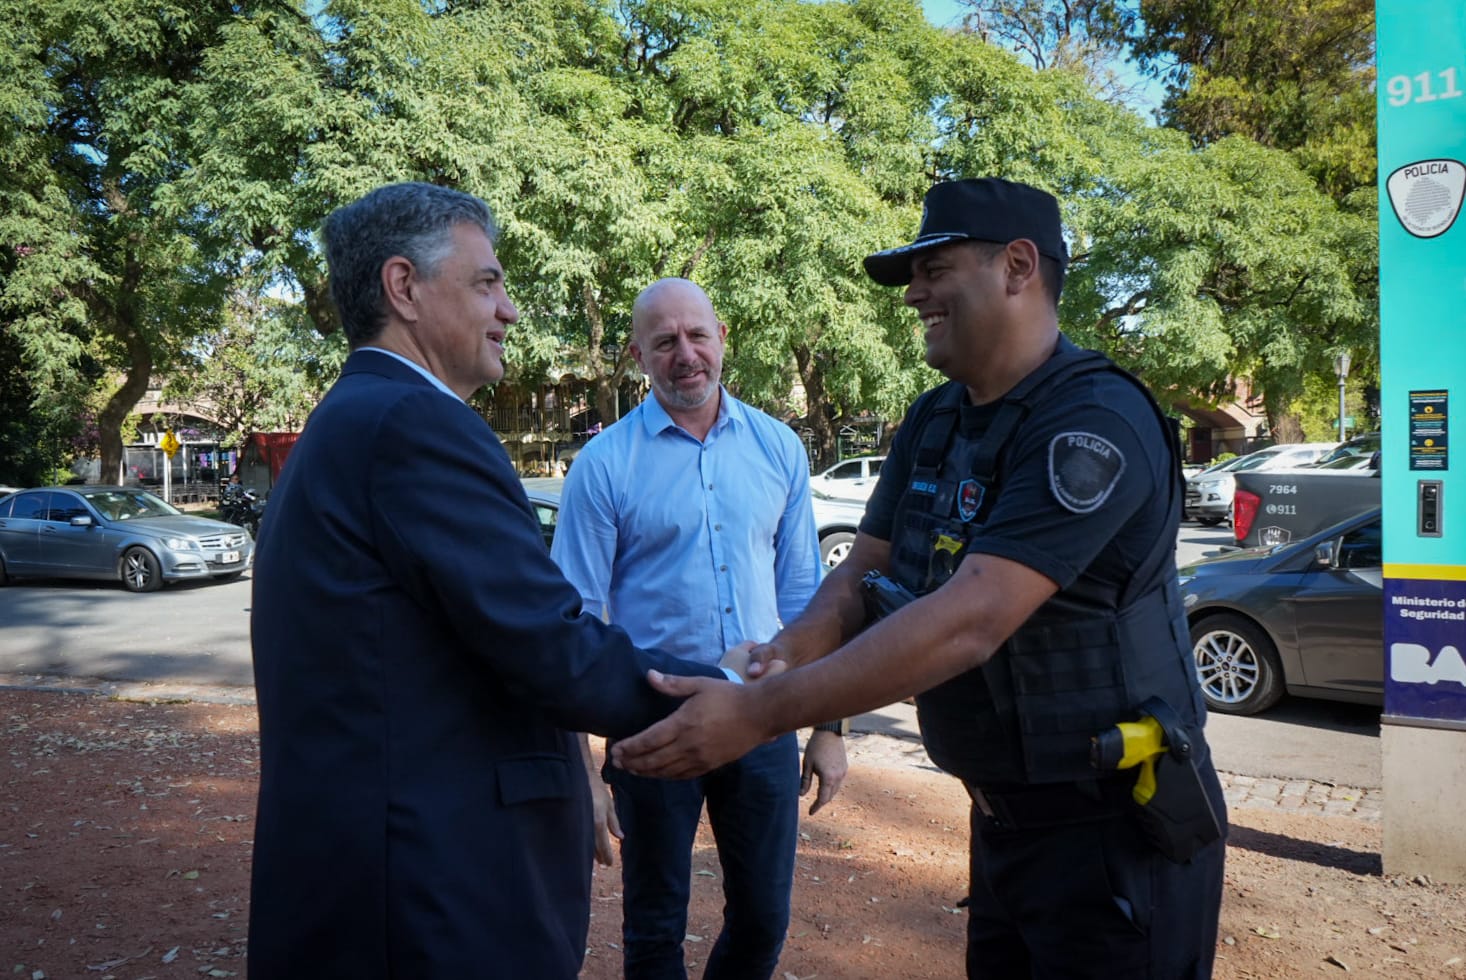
837 521
849 479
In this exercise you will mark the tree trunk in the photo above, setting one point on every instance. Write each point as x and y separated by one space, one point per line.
817 415
1285 427
124 399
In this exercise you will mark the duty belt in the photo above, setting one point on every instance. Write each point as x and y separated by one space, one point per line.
1050 805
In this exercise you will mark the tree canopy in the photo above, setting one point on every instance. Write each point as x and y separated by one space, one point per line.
166 167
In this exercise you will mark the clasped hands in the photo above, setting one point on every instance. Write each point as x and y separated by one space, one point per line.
718 721
752 661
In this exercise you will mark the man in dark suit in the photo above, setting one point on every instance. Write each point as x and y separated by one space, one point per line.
418 658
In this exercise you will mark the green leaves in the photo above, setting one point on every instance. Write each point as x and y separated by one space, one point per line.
160 161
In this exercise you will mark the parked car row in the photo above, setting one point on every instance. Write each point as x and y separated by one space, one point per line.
835 520
115 533
1209 493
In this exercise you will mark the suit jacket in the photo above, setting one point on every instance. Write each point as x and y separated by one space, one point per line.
419 665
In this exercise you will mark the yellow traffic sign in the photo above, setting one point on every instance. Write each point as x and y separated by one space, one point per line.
169 443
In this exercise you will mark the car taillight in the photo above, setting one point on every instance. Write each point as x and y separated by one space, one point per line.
1245 505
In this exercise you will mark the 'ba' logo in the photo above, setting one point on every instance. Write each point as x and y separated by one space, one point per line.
1427 195
1410 663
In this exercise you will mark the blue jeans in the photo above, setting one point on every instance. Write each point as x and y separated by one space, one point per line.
753 807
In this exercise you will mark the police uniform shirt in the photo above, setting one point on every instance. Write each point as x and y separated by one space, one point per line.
1084 486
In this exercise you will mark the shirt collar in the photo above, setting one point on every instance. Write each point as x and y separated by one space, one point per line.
656 419
433 378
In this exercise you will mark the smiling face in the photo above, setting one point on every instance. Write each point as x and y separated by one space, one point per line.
677 340
956 290
463 313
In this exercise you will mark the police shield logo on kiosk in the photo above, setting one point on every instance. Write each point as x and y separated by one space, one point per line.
1426 195
1083 470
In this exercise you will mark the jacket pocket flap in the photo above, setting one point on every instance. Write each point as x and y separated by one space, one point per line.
538 777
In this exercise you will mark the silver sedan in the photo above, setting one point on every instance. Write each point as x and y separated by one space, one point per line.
116 533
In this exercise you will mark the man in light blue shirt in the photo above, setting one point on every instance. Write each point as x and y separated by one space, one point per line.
688 523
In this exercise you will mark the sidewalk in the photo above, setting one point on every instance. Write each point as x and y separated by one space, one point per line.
900 741
1292 795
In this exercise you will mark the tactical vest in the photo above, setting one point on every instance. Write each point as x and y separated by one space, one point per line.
1086 658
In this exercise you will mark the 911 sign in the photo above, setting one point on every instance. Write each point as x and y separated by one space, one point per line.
1424 87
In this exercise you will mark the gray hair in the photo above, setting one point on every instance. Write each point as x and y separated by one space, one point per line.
411 220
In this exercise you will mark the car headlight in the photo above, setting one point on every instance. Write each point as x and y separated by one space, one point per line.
182 544
1209 484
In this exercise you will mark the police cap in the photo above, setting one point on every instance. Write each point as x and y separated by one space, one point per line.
986 209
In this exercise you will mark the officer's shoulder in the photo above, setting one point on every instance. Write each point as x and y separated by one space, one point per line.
1107 386
932 399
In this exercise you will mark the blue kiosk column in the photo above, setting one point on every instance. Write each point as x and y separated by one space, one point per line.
1422 176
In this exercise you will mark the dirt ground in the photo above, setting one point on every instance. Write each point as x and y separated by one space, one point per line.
125 833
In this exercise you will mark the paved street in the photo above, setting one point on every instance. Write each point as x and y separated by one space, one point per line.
192 633
193 640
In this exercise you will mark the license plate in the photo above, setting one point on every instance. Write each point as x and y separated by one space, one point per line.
228 557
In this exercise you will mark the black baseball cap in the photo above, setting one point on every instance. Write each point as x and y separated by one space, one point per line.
985 209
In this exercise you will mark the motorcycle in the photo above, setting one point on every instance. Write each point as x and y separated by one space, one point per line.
243 507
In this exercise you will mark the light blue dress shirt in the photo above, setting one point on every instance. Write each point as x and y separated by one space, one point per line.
691 546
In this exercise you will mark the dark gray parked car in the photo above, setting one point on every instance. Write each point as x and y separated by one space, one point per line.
117 533
1305 618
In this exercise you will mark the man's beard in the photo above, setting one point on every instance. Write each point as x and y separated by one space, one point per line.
677 398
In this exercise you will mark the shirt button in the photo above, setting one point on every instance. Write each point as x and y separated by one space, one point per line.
717 527
722 568
727 609
710 486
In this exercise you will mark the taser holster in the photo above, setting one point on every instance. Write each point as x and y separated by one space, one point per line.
1172 804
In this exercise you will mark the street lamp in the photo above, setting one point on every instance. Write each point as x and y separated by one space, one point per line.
1341 368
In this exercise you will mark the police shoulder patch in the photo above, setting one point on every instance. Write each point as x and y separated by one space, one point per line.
1083 470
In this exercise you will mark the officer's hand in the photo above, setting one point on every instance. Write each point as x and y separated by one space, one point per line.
762 659
737 659
714 726
824 757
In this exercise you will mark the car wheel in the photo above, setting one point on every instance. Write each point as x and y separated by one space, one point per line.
1237 665
4 578
1211 521
140 571
835 546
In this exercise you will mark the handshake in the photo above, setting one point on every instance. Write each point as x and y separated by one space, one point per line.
718 721
752 661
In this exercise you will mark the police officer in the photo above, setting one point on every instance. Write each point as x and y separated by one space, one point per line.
1031 505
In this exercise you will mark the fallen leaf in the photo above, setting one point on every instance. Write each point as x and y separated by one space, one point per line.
690 937
1337 962
1266 934
171 955
190 875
